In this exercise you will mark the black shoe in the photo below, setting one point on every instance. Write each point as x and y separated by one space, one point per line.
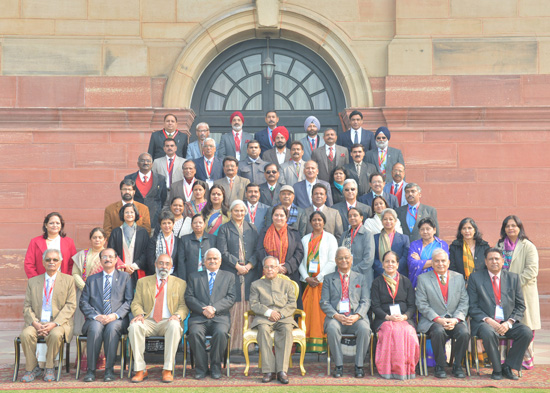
359 372
268 377
458 372
496 375
338 372
109 376
508 373
200 375
215 373
282 377
440 372
90 376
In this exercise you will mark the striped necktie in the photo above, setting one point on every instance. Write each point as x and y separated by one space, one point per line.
211 282
107 309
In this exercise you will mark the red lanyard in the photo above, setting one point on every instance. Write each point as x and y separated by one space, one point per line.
252 214
382 157
187 185
312 145
496 290
409 211
159 289
208 168
353 234
171 249
396 288
237 142
166 135
48 295
171 166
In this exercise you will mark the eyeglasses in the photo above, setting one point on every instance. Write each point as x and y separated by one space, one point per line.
349 189
270 267
51 260
106 257
145 161
271 172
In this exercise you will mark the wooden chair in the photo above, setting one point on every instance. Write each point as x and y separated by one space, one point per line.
475 354
42 340
122 346
250 336
226 359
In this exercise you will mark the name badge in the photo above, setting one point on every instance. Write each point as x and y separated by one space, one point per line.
313 265
46 316
499 313
343 307
395 309
200 269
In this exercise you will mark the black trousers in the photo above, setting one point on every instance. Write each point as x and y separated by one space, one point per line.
197 342
109 335
439 336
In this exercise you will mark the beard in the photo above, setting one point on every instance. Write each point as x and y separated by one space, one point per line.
280 145
162 273
127 197
237 128
382 145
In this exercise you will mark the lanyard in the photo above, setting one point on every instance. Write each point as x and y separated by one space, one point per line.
171 249
382 157
171 166
166 135
252 214
208 168
312 145
396 289
409 211
496 290
48 295
352 234
188 186
159 289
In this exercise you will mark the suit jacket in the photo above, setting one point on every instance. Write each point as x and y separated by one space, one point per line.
300 225
226 147
63 302
288 173
238 190
393 156
455 256
259 219
369 197
367 169
33 258
367 139
215 174
253 171
422 212
140 248
334 221
400 245
362 250
155 198
194 152
228 244
482 297
111 218
156 144
430 302
388 186
341 158
265 194
301 198
307 147
151 253
342 207
265 142
277 295
122 293
197 296
188 259
177 191
144 297
359 295
381 300
271 156
160 166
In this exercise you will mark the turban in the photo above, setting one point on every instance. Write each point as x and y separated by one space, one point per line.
383 130
314 120
237 113
281 130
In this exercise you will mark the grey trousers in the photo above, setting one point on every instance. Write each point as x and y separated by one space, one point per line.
361 329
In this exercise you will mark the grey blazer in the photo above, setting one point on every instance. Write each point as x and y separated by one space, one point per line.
394 156
362 250
422 212
367 169
341 158
259 219
288 173
430 302
160 166
271 156
237 192
266 197
307 147
359 295
334 221
253 171
226 147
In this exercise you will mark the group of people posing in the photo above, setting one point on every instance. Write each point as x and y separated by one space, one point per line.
213 230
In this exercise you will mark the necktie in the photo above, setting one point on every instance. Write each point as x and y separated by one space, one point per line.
159 303
358 167
145 179
496 283
107 309
442 279
297 169
345 290
331 154
208 162
309 191
356 138
231 184
313 141
211 282
237 143
170 171
395 188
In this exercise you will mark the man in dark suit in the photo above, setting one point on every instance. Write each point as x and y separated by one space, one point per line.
297 219
397 185
151 186
312 140
350 195
209 167
233 144
384 157
253 167
356 134
280 153
156 143
376 184
345 299
256 210
496 309
105 303
410 214
331 156
360 170
210 295
183 188
269 191
442 301
265 136
334 220
303 189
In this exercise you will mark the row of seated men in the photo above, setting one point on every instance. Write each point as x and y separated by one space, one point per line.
161 302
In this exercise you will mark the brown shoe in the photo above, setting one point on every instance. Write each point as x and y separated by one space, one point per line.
167 376
140 376
268 377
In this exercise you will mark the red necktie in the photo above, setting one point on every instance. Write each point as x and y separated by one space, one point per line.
145 179
331 154
159 303
237 143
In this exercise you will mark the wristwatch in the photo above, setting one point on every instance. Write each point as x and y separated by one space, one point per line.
509 324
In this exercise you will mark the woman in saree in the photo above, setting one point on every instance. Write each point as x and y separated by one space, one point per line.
389 239
374 224
393 305
215 211
337 178
195 206
177 207
319 260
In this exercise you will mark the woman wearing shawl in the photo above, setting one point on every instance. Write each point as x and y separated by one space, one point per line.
521 257
177 206
194 247
164 242
130 243
467 252
374 224
337 178
393 304
237 242
195 206
318 261
215 211
389 239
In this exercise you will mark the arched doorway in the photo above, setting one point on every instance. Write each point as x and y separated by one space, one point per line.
302 85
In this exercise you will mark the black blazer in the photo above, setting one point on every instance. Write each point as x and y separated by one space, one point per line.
337 196
367 139
140 248
156 144
381 300
228 243
367 169
455 256
369 197
294 254
198 296
265 194
155 198
215 174
152 253
188 258
482 297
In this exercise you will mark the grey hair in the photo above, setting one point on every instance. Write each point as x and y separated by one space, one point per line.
202 124
439 251
352 181
270 257
237 202
342 248
210 139
50 250
411 185
391 211
215 251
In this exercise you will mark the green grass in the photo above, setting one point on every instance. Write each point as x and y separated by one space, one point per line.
300 389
